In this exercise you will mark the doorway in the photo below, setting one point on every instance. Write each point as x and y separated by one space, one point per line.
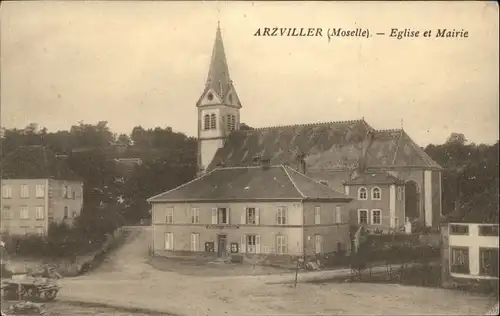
221 245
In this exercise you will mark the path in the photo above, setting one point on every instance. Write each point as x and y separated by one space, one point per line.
125 279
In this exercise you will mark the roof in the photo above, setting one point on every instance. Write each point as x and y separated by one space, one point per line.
374 178
218 79
35 162
331 145
251 183
481 216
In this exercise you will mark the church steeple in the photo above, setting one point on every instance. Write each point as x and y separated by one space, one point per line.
218 80
218 106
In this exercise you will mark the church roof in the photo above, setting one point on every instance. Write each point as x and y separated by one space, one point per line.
257 183
332 145
374 178
35 162
218 79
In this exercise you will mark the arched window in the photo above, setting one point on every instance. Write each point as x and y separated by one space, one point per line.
213 121
206 122
376 193
362 193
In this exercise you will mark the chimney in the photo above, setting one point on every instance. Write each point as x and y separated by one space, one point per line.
265 162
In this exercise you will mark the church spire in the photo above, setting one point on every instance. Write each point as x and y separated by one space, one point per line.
218 74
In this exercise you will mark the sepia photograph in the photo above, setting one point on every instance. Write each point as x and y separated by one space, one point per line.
209 158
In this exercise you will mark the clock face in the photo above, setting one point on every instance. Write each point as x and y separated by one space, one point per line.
210 97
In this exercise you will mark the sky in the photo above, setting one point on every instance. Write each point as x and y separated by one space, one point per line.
145 63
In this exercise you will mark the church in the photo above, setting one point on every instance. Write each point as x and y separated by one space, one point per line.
380 179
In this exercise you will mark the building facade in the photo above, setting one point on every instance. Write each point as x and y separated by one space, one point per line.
470 254
38 188
331 152
30 205
272 212
379 202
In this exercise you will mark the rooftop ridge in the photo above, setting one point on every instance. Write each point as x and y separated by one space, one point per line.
389 130
308 124
311 179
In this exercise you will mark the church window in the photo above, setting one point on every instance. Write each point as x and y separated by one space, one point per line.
376 193
362 193
210 97
213 121
206 122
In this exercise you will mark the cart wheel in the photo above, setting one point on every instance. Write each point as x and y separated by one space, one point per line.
50 295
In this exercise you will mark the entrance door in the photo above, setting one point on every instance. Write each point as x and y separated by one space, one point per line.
221 243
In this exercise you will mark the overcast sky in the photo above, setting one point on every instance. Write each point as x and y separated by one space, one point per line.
145 63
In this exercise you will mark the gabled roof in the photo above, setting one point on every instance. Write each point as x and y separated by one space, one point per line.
35 162
328 145
332 145
277 183
374 178
395 148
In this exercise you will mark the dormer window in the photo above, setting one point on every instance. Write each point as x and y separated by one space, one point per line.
362 193
210 96
376 193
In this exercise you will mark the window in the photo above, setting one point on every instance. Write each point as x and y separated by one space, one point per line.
206 122
40 191
40 214
251 216
459 230
25 212
40 231
195 242
213 121
74 214
318 241
376 217
376 193
70 192
195 215
65 191
401 193
230 97
337 215
460 260
317 215
66 212
220 215
281 244
25 191
169 241
74 195
6 212
362 194
169 217
488 262
210 96
25 229
233 122
251 241
281 215
362 216
229 122
6 192
488 230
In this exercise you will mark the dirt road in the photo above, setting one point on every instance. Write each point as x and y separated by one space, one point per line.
126 279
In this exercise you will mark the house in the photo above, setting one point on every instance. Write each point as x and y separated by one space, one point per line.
37 188
262 210
331 152
379 201
470 251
